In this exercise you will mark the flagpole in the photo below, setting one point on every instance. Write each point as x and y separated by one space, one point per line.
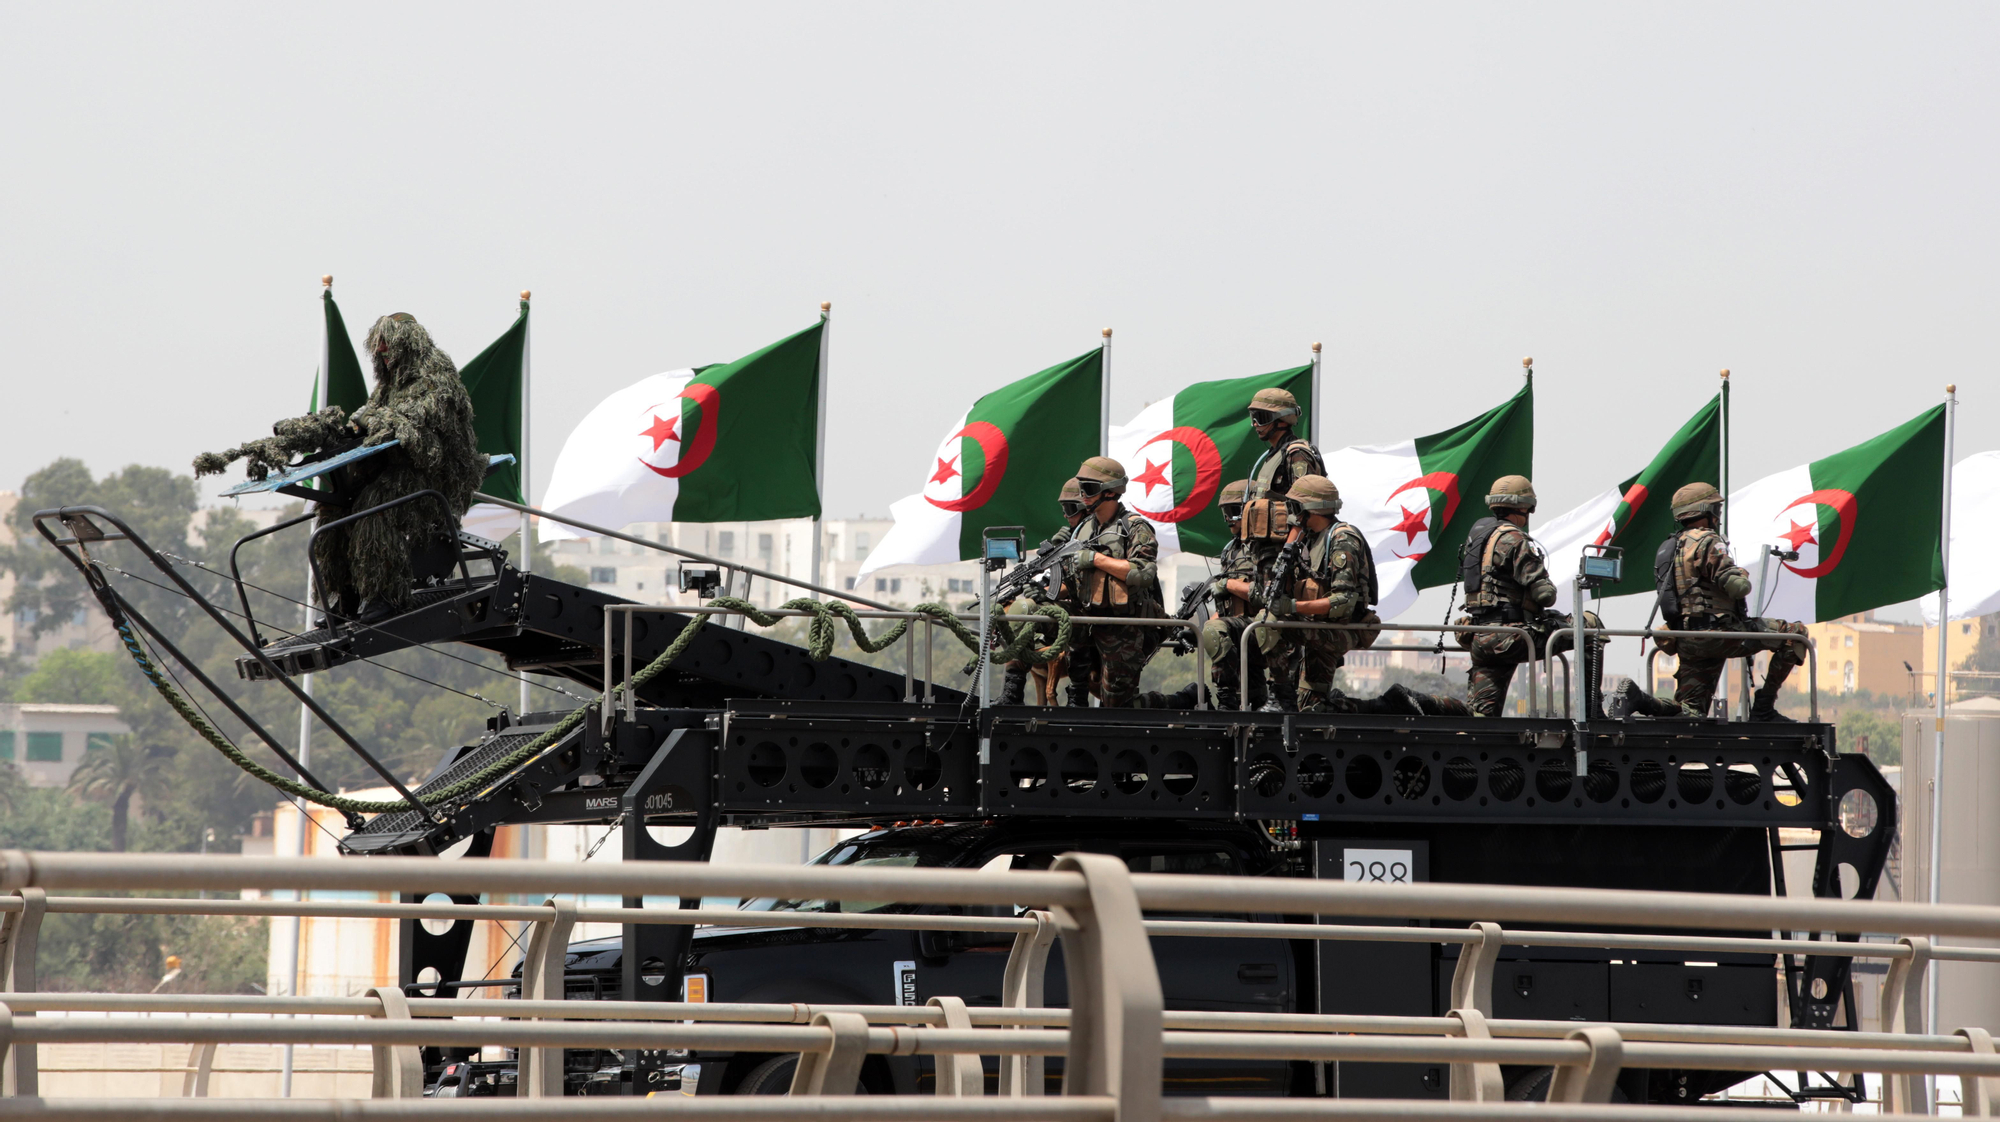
819 442
1722 527
1312 416
1937 729
322 389
1104 398
527 559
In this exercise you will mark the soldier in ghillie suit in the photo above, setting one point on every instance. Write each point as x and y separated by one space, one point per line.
1507 582
1116 574
369 566
1273 414
1702 589
1014 686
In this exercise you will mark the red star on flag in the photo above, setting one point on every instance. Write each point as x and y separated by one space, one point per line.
1155 475
1412 524
661 431
1799 535
944 471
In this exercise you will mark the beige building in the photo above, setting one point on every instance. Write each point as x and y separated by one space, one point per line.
1859 652
47 742
1961 642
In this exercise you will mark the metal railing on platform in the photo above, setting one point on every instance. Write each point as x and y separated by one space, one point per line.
1113 1037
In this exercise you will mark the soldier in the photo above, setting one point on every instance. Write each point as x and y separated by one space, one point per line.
1116 574
1334 583
1272 413
1235 601
1507 582
1702 589
1014 686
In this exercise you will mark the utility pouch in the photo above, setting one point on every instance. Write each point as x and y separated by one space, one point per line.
1363 640
1265 520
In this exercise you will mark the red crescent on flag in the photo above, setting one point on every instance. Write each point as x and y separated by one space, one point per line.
1207 473
1634 499
1847 507
1436 481
993 443
695 452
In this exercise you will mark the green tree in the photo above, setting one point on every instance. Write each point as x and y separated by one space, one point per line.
113 773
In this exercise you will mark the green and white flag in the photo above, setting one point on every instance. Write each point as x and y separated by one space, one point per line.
1181 450
732 442
340 370
1638 513
1414 500
1002 464
1866 524
494 380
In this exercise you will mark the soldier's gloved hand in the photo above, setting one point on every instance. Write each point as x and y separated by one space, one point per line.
1256 601
1284 606
1086 559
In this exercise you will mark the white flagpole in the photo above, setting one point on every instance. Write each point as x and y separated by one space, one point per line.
1312 414
819 444
1722 527
1937 730
527 558
1104 398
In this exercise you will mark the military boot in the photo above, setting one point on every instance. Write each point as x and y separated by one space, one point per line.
1764 707
1079 696
1398 700
1280 697
1015 685
1629 699
1226 697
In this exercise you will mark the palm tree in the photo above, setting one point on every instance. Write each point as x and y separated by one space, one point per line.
12 786
115 772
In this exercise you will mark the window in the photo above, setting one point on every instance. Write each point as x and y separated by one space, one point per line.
6 744
45 747
1850 641
881 584
860 544
96 740
1847 678
764 546
955 584
603 574
78 618
26 615
895 584
725 543
850 584
1965 629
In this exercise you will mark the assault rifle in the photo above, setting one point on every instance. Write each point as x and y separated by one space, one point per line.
1195 596
1033 577
1282 569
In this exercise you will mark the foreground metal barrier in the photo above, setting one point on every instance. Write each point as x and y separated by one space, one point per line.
1113 1039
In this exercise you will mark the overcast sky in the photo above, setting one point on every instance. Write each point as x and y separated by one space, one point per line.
1636 195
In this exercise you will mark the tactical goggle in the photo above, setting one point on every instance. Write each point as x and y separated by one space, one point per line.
1092 488
1262 416
1232 511
1071 508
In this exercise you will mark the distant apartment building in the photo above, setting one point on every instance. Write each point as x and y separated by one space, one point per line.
1961 640
48 742
1860 652
1367 670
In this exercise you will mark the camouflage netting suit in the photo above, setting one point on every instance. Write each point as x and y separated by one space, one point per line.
1712 588
1514 589
419 401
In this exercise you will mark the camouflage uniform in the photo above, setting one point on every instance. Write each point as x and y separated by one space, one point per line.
1712 588
1242 561
1278 467
1108 658
1338 567
1514 589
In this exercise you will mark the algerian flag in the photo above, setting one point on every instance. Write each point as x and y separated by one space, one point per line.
1974 569
1638 513
1181 450
345 385
1865 524
495 380
1416 499
727 443
1002 464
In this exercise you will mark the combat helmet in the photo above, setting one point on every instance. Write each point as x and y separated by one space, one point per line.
1269 406
1514 492
1070 497
1232 498
1315 494
1098 475
1696 500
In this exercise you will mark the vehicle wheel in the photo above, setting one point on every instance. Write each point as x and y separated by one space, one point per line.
774 1077
1532 1086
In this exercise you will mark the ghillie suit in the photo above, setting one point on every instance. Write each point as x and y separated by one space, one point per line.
369 566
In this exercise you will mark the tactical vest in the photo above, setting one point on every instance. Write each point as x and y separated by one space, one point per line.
1317 580
1273 470
1488 591
1666 584
1099 589
1701 601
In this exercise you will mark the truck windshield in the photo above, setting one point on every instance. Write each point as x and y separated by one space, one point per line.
857 854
